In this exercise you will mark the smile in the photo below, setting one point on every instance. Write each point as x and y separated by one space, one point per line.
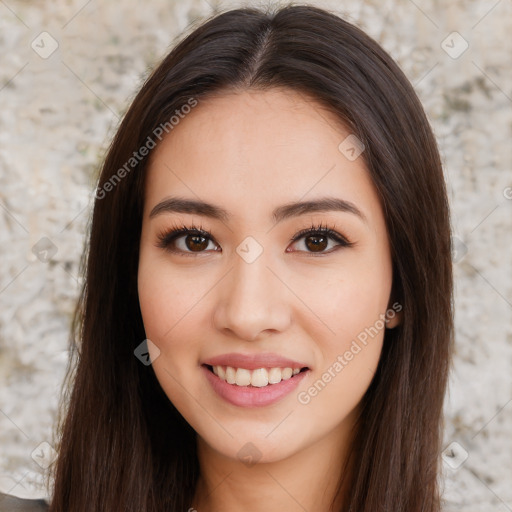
259 377
253 388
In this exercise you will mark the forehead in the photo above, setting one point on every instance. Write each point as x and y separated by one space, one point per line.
253 149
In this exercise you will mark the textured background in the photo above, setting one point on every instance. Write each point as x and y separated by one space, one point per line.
59 111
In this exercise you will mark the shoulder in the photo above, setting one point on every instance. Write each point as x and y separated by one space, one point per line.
13 504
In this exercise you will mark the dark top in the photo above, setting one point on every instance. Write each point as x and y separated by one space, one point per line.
10 503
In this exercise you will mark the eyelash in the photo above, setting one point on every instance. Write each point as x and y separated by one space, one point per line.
165 238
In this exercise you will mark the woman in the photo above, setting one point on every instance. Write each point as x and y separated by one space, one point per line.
266 321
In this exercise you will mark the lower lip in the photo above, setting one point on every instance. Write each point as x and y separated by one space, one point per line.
248 396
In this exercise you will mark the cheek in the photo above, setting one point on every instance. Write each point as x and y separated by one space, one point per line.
351 305
349 351
169 307
346 299
358 306
168 299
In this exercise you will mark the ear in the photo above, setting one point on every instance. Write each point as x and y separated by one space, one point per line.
394 314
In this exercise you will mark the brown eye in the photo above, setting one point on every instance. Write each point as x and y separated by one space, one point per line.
186 241
317 239
316 243
196 243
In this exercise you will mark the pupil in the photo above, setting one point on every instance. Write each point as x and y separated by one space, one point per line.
200 241
319 243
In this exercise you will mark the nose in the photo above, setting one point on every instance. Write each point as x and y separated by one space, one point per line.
253 300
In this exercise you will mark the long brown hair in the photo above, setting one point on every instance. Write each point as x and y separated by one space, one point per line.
122 444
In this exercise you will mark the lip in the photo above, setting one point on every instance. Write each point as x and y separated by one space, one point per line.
248 396
254 361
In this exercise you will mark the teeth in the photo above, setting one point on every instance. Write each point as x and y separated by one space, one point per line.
230 375
287 373
258 378
243 377
274 375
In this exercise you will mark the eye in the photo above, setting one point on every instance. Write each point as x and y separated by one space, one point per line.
192 239
316 240
185 240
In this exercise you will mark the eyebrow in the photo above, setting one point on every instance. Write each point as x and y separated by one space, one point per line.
286 211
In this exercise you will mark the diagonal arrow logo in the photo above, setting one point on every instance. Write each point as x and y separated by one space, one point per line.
142 352
351 147
249 249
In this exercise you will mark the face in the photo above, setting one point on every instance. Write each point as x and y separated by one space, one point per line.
255 288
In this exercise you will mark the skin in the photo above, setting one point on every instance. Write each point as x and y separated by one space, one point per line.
249 152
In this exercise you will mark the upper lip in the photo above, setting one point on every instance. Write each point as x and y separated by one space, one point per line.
254 361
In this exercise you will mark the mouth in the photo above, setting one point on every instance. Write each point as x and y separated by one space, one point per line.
255 387
254 378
